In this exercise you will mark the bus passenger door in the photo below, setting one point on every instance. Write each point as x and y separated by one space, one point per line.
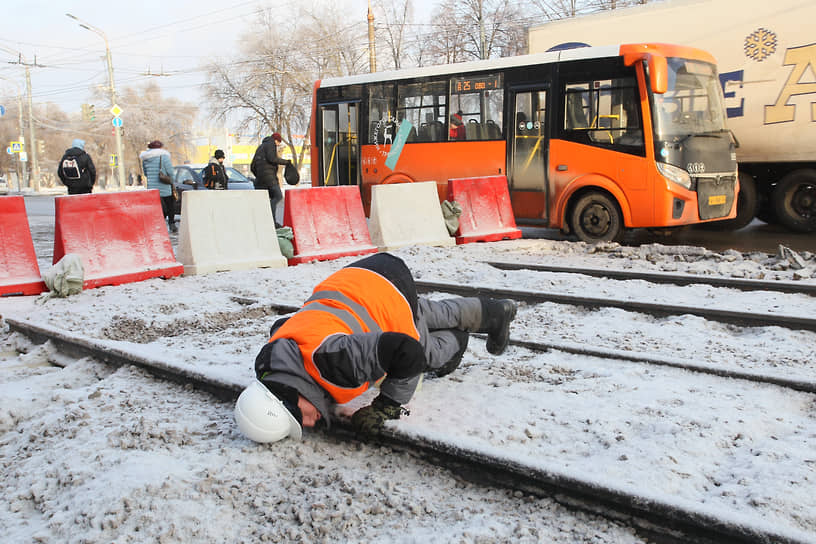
340 157
527 146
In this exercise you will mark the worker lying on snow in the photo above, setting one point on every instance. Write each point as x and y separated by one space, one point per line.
361 323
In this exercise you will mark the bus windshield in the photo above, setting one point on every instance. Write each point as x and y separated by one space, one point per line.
692 103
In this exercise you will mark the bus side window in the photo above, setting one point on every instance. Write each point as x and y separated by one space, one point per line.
604 113
479 101
380 113
418 104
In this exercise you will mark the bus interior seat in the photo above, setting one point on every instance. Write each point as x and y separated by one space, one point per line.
575 112
473 130
437 131
492 129
424 132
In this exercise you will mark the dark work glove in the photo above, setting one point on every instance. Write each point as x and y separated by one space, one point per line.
400 355
368 421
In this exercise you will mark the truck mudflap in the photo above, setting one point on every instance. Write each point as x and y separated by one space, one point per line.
715 195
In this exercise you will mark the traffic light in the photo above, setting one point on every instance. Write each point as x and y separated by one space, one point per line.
41 147
91 112
86 112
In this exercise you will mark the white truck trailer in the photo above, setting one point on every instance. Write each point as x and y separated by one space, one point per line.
766 57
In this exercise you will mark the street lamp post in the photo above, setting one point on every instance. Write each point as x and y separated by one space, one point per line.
22 135
117 130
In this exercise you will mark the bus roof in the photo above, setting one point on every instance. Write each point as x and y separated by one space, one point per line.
476 66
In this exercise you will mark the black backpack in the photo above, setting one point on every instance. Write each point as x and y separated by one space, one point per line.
70 168
256 159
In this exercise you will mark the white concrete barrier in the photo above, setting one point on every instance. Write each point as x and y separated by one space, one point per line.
404 214
227 230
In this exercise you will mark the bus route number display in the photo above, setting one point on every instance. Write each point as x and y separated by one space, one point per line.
476 84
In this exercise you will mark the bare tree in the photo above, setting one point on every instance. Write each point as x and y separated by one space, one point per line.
476 29
446 41
271 89
562 9
150 116
392 18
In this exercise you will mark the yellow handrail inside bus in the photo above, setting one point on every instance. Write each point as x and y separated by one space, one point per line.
532 151
331 164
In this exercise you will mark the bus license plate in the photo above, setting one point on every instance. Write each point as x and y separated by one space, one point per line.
716 200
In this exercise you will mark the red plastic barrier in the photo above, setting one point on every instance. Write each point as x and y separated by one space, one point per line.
487 215
121 237
328 222
19 271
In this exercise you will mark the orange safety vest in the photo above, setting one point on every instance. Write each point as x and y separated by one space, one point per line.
350 301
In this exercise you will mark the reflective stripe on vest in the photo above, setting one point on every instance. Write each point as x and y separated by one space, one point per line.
329 312
358 309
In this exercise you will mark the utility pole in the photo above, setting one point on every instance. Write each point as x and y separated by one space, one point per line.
34 178
372 51
19 164
482 45
117 130
35 169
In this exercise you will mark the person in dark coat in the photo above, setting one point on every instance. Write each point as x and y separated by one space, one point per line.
76 170
215 175
363 325
265 169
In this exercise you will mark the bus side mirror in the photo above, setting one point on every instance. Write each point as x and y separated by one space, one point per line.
658 73
658 66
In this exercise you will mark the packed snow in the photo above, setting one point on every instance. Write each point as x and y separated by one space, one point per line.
91 453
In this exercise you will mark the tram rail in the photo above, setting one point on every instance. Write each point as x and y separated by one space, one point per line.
667 278
658 520
656 309
606 353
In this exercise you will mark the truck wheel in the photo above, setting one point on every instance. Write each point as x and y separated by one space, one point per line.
794 200
747 204
596 218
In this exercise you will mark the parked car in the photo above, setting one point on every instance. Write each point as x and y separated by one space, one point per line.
4 189
189 177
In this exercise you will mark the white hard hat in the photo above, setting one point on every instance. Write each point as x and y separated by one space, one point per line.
262 417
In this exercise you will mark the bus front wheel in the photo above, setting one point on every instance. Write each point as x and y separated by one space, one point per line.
596 218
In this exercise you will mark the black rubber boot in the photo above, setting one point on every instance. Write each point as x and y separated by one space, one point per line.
453 364
496 318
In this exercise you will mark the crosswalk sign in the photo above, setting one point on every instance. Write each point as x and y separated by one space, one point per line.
16 147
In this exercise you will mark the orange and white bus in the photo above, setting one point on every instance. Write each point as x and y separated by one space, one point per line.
592 140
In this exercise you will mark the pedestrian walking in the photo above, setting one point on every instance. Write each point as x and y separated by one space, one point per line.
158 170
76 170
363 323
215 175
264 167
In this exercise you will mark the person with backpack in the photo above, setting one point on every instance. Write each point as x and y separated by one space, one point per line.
215 175
76 170
265 169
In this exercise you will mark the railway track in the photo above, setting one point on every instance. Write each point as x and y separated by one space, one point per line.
667 278
656 309
651 518
604 353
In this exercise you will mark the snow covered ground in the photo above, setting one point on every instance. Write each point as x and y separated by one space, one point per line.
94 454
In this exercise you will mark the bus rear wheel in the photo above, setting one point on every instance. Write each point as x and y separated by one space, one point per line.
596 218
794 200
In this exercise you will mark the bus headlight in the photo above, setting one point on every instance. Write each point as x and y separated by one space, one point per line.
674 174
